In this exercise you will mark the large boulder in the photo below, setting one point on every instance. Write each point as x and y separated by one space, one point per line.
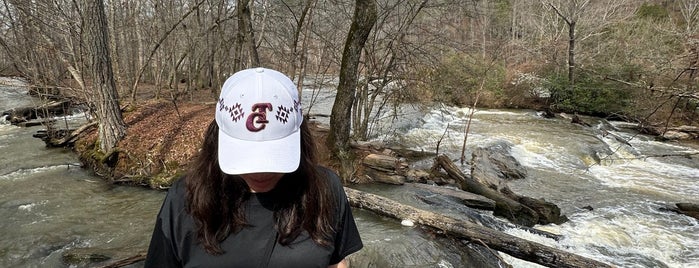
689 209
494 163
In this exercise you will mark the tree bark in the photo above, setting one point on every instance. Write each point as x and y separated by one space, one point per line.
504 206
365 16
571 54
111 125
570 20
245 37
513 246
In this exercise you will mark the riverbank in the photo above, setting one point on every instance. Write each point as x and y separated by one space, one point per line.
615 218
162 138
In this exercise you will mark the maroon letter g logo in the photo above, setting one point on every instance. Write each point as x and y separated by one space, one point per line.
258 116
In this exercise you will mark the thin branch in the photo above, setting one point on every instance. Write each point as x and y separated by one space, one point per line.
157 45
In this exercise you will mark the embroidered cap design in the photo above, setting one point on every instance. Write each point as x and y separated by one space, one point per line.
259 115
283 114
236 111
257 120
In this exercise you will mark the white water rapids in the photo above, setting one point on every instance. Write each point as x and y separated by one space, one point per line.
49 206
628 189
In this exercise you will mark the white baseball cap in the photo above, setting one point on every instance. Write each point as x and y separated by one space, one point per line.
259 118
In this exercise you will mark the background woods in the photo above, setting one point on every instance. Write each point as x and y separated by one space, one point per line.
626 59
406 67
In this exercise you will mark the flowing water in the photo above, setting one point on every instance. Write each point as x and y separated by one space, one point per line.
627 184
49 206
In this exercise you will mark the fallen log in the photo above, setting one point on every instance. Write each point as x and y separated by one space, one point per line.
449 203
46 110
378 147
126 261
385 168
36 122
384 176
511 245
518 209
466 198
504 206
62 137
384 163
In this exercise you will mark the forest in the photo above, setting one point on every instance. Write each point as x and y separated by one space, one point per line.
626 60
629 60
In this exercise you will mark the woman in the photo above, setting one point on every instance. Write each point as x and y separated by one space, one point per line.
254 196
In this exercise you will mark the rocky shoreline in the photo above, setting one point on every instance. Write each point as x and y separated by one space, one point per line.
163 136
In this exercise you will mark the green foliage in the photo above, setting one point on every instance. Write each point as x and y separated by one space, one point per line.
590 95
457 79
652 11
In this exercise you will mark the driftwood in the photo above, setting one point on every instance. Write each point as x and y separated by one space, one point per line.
511 245
576 120
518 209
466 198
126 261
62 137
385 169
53 108
384 176
36 122
671 133
378 147
384 162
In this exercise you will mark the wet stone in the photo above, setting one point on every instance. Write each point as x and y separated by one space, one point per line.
83 256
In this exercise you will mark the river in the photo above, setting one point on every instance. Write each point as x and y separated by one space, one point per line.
49 206
627 189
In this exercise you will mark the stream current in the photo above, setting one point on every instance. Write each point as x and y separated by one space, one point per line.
49 206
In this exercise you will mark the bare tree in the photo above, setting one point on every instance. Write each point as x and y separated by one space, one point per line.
245 38
387 53
111 125
162 39
363 20
575 8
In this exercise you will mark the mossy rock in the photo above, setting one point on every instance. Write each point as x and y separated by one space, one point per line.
83 256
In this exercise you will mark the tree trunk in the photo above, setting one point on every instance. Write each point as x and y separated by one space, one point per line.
571 55
512 245
111 125
365 16
245 38
298 55
570 21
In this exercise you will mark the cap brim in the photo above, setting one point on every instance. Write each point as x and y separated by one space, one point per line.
237 156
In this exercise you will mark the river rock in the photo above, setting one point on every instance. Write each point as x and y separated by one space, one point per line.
494 163
677 135
689 209
83 256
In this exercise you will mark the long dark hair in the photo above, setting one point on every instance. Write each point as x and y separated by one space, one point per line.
216 200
